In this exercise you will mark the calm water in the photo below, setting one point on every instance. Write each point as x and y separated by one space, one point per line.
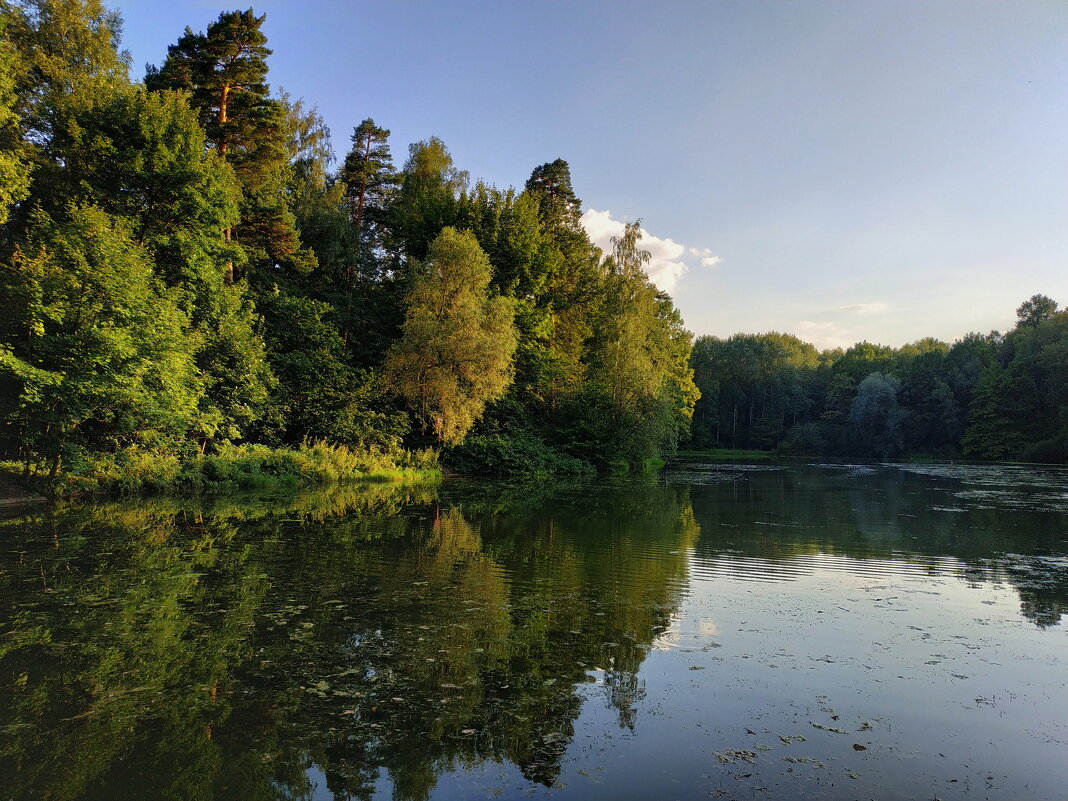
826 631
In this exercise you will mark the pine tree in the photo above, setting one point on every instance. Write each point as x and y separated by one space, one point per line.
559 208
225 70
368 173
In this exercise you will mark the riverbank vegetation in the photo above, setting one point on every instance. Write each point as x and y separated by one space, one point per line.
194 293
192 290
992 397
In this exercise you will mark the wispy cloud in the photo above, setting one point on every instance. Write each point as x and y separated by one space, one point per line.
863 308
669 258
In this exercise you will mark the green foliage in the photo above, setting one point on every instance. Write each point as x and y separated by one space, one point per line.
991 433
367 174
62 46
876 417
225 72
233 359
188 194
15 165
558 207
754 387
142 156
985 397
318 395
173 466
455 354
308 150
1035 310
864 358
804 439
640 394
96 347
518 454
934 422
426 202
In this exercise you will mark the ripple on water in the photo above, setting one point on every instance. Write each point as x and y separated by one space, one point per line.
849 469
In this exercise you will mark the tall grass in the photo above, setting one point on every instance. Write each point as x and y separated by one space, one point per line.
244 466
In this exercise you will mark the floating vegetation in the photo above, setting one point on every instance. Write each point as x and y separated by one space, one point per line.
733 756
828 728
805 761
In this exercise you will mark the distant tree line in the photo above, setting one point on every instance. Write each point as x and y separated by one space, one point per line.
182 266
994 396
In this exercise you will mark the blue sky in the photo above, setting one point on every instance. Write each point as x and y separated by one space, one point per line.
836 170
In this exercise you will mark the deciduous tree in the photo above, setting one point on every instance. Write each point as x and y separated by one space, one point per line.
94 348
458 340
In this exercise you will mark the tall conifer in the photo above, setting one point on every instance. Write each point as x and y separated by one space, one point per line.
225 70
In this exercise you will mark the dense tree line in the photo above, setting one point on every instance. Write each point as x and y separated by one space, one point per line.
182 266
995 396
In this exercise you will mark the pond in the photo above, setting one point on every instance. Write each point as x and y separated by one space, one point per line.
826 631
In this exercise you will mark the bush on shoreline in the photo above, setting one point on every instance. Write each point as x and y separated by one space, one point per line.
518 454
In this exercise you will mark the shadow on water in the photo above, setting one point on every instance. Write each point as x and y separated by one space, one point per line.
237 647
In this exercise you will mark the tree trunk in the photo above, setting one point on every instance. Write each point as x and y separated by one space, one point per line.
223 119
750 439
357 221
358 218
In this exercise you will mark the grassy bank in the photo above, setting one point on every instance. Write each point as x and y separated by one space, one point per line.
229 467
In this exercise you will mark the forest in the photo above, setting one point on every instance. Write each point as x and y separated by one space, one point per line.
193 291
987 397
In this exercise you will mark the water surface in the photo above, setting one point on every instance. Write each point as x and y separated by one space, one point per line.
723 631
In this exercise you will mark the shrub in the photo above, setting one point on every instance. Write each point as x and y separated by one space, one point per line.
515 454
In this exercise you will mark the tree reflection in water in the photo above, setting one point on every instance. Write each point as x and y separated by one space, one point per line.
167 649
221 648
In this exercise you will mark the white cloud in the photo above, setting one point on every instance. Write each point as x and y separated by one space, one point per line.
668 262
837 326
705 255
824 335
